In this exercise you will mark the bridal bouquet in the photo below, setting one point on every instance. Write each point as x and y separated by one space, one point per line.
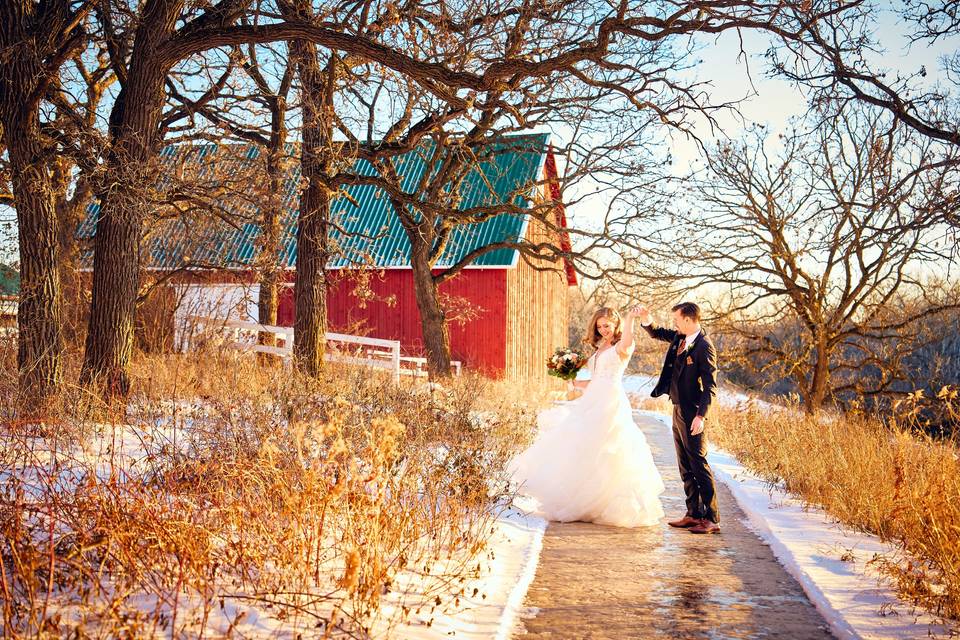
565 363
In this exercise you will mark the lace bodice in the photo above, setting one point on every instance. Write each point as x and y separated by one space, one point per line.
606 365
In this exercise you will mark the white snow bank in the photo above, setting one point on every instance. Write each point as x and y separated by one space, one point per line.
828 560
639 383
492 614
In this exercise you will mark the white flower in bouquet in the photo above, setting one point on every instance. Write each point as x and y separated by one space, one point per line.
565 363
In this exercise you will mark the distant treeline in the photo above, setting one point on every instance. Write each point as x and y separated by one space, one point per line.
876 376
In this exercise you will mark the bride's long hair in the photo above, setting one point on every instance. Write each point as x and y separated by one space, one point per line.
593 336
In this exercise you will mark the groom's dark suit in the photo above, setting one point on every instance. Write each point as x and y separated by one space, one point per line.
690 380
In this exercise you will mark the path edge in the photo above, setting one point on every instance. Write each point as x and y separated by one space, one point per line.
719 459
511 609
839 626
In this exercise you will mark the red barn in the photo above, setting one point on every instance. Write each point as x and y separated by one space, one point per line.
506 316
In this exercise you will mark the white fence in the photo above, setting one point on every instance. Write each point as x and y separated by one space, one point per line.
357 350
9 306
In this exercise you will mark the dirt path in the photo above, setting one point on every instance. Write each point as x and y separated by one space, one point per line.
604 582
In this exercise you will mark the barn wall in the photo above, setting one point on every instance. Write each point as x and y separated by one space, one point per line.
382 304
379 304
536 313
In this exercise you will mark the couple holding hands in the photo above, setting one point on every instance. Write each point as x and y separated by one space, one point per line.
591 463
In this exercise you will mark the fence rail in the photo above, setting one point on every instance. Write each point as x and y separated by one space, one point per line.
376 353
9 305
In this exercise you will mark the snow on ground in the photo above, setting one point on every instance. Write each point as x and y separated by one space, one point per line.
489 611
639 384
805 540
492 614
828 560
507 569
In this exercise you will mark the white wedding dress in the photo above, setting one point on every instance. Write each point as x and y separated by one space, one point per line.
590 462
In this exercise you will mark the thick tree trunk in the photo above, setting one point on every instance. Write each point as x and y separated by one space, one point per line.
433 321
116 260
40 316
116 265
310 290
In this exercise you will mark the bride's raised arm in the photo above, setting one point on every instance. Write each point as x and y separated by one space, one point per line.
626 343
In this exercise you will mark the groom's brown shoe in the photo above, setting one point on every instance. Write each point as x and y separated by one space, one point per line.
685 522
705 526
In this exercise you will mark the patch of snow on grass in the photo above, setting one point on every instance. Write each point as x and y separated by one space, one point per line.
492 613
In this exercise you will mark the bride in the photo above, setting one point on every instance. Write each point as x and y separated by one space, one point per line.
590 462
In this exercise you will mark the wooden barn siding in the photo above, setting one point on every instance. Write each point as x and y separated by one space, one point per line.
477 343
536 314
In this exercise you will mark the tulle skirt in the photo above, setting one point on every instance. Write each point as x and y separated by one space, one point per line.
590 462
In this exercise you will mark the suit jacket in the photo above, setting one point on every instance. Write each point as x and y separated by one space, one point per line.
695 371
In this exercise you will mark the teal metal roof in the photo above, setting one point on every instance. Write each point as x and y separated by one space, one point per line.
365 229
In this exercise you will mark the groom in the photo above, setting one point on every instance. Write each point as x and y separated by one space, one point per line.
689 376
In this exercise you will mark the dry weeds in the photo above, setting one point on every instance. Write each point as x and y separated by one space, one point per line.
882 476
223 488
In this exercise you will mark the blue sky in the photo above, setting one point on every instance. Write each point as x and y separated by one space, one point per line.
773 102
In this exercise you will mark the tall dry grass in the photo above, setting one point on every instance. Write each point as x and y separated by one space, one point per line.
879 475
333 508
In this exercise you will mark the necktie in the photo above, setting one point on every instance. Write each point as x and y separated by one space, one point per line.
683 345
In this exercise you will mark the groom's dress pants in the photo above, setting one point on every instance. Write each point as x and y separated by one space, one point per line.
698 484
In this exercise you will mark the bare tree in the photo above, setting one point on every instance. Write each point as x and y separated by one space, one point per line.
811 254
318 86
145 45
277 161
271 71
139 49
35 41
835 61
590 97
831 57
